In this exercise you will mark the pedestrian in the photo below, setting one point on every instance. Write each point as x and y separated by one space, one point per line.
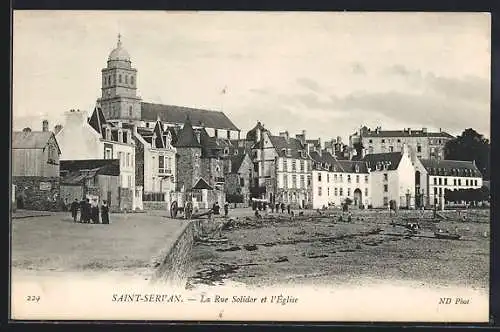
216 208
82 211
88 211
282 207
74 209
226 209
272 207
95 212
105 212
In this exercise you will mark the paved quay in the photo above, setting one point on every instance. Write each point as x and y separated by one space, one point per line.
133 244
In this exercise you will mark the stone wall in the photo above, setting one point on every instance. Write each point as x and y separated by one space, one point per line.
187 167
175 266
36 197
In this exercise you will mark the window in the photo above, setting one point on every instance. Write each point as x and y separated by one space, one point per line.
129 181
475 182
459 182
302 182
328 177
399 141
294 181
107 153
319 191
341 192
419 148
348 191
120 78
285 181
126 79
132 80
336 192
391 149
366 191
357 178
383 140
242 182
435 181
120 158
114 79
130 111
335 178
445 181
466 182
386 176
435 191
439 180
370 141
285 165
128 159
308 180
454 182
386 188
319 176
302 166
348 178
328 191
386 201
366 178
341 179
161 164
294 166
440 191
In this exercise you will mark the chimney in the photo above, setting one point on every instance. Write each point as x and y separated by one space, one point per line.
284 134
258 132
57 129
45 125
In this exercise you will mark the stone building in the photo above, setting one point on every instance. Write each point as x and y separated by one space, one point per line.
425 144
120 103
238 174
334 181
93 138
281 166
200 169
451 175
35 169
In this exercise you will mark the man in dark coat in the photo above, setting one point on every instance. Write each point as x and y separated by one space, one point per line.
83 209
74 209
226 209
105 213
88 211
95 212
216 208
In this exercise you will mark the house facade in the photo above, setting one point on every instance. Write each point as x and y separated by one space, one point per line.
92 138
425 144
451 175
35 169
238 174
392 177
155 165
334 181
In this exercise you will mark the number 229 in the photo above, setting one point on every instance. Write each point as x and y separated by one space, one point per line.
33 298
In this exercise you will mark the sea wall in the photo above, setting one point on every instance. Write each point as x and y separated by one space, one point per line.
175 263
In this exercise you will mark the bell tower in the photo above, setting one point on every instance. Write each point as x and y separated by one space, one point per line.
119 100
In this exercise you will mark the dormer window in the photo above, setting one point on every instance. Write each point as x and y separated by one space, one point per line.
108 133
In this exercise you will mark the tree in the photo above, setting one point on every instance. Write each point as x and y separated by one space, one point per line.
470 146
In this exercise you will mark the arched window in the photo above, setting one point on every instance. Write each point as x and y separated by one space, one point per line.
126 79
132 80
114 79
130 111
109 79
120 78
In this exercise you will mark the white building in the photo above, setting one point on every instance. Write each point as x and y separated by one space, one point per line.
392 177
333 181
451 175
155 165
83 138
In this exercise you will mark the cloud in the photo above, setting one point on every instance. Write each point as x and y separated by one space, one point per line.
309 83
358 69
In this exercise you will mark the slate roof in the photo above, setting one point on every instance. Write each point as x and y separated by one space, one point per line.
97 121
336 165
209 145
281 144
31 139
186 137
202 184
236 161
391 159
451 168
177 114
105 166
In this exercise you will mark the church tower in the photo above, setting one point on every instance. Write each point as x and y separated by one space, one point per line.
119 100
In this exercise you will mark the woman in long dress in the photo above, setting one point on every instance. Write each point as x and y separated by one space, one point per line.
105 212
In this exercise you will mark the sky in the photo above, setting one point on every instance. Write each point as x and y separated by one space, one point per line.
326 73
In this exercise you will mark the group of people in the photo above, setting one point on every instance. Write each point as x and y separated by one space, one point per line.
89 212
216 209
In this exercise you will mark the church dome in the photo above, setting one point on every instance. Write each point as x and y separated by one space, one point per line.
119 53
